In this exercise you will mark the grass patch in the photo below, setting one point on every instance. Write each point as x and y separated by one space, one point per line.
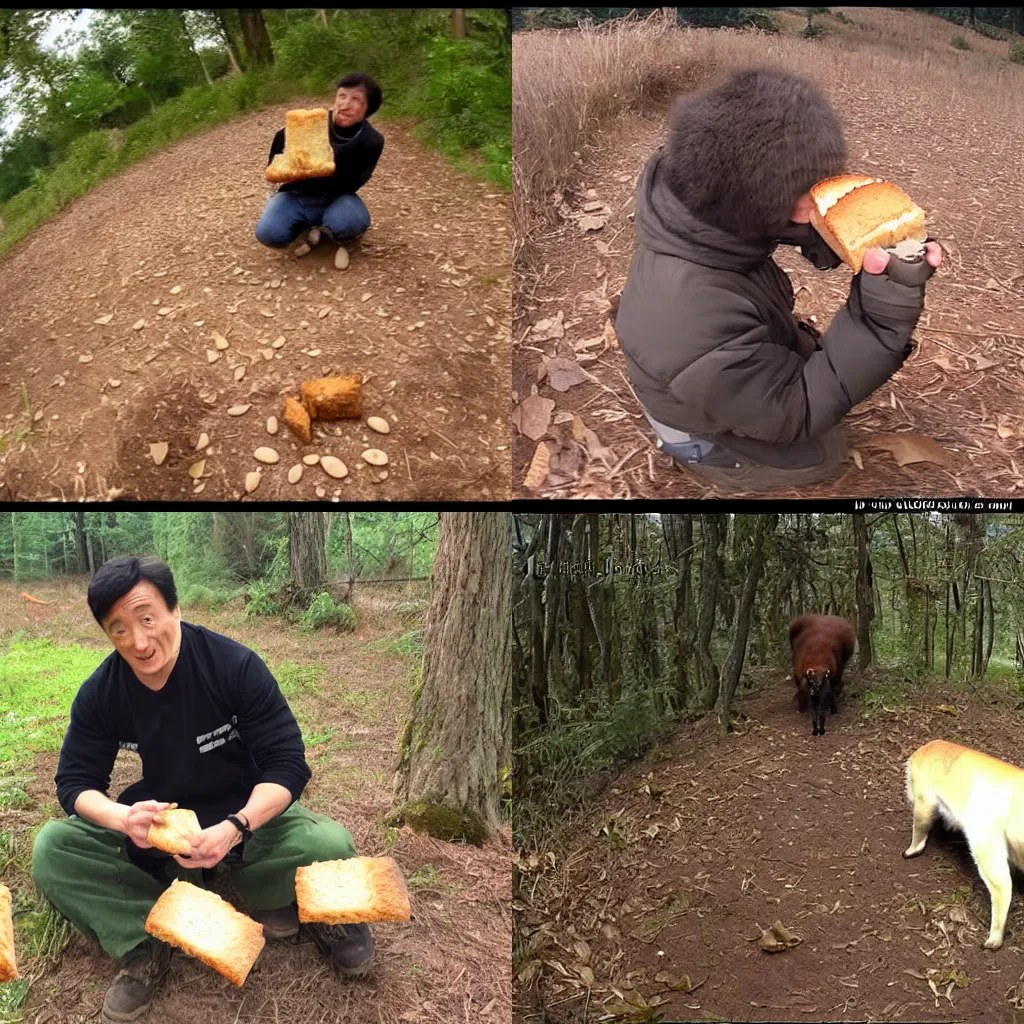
891 695
13 795
296 680
38 681
408 645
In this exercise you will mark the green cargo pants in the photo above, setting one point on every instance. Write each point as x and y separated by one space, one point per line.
85 873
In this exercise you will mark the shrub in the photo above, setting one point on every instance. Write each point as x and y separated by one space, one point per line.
757 17
325 611
959 43
261 600
1017 53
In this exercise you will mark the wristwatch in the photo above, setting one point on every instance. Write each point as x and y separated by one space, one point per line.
241 825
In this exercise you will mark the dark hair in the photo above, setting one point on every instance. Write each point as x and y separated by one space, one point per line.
357 80
115 578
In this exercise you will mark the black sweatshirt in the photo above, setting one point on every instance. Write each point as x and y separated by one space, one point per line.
219 725
356 152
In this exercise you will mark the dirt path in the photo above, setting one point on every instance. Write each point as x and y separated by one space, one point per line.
449 964
422 313
775 824
960 387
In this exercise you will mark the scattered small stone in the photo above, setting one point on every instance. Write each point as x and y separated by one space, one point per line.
114 383
158 451
104 320
163 311
239 410
38 416
267 353
278 342
219 340
199 487
198 323
176 290
365 296
237 271
252 481
212 355
271 424
85 358
379 476
379 424
139 324
313 352
196 469
268 313
295 473
160 273
239 372
333 467
311 459
320 492
204 440
324 312
275 283
375 457
267 455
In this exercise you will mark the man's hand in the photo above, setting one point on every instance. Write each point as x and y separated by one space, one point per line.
876 260
210 846
138 819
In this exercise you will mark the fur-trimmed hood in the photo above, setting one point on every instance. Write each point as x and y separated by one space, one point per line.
738 156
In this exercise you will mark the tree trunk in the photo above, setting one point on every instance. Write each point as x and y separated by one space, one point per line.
323 16
865 593
684 613
229 42
81 556
766 525
990 635
307 553
192 46
447 780
713 528
254 34
458 22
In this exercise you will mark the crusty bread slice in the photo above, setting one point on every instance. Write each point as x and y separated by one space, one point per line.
307 148
177 824
8 968
208 928
853 217
352 890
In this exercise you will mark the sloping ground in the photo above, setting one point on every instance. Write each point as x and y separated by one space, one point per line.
422 313
692 852
451 963
957 156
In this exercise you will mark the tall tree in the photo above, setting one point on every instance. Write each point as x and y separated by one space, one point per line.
458 22
307 552
865 592
254 32
451 755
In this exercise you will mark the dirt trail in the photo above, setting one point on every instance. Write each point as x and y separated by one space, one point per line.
960 387
422 313
449 964
711 839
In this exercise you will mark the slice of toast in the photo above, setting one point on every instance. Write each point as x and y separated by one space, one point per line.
8 968
208 928
307 148
854 213
352 890
172 835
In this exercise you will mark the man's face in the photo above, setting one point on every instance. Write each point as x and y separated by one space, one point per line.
801 212
144 631
349 106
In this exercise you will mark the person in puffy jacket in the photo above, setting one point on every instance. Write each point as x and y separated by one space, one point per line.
734 386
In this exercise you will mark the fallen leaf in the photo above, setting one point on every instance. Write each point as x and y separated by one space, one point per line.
239 410
212 355
196 469
532 416
983 362
539 466
138 325
104 320
942 361
858 459
593 222
549 329
910 448
158 451
565 373
596 450
219 340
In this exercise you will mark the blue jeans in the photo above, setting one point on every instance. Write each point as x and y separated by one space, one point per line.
288 215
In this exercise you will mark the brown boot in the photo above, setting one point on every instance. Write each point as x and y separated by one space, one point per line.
280 923
132 991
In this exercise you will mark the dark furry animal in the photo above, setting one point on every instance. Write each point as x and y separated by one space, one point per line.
821 645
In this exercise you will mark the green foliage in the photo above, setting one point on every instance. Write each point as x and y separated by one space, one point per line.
959 43
1017 53
449 824
261 600
843 19
297 679
13 796
195 595
759 18
325 611
889 695
814 31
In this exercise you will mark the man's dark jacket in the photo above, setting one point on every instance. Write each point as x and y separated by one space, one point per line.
713 349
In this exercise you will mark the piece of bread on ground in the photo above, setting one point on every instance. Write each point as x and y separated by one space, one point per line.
854 213
8 968
353 890
208 928
296 418
178 823
333 398
307 148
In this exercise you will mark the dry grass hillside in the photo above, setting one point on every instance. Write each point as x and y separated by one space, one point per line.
589 108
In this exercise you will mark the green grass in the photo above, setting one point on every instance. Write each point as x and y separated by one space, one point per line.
38 681
296 680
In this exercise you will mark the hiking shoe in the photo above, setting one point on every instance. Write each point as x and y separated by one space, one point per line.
350 947
313 237
131 992
280 923
341 258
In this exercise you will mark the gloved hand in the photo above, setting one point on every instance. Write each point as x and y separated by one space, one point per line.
813 247
877 261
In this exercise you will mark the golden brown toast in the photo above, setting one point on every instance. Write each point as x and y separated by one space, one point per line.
208 928
854 213
307 148
352 890
172 835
